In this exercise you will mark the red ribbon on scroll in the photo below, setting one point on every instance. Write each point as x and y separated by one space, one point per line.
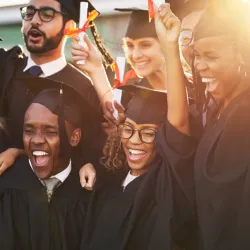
128 75
75 31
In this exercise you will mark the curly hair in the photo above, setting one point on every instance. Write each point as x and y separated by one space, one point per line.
114 156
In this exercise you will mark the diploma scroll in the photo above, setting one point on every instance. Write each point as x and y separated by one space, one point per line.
83 18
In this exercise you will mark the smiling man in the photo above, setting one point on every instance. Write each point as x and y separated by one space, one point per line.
44 188
43 27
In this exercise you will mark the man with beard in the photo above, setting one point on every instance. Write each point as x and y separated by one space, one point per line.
43 27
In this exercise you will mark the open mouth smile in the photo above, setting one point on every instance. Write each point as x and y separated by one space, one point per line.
136 155
211 83
41 158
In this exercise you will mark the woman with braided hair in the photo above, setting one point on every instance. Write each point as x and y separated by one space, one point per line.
141 47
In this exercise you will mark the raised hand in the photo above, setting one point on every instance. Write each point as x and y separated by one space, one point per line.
88 53
167 25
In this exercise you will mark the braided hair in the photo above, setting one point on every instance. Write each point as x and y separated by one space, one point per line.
108 60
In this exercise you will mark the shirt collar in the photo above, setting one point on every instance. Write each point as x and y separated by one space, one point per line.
129 178
49 68
62 176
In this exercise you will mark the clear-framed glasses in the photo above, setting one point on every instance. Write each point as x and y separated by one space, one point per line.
46 14
146 135
186 37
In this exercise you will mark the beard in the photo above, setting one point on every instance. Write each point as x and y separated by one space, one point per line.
48 43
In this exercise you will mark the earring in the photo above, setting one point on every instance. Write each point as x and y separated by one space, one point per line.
239 68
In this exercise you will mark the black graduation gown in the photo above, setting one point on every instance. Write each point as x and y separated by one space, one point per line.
15 98
222 179
139 82
155 211
2 140
29 222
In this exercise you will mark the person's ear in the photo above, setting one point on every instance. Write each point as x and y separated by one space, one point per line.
75 137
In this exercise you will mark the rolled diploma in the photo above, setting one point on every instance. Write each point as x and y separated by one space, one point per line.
117 96
82 21
121 63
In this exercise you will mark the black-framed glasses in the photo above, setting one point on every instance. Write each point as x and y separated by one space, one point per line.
46 14
186 37
146 135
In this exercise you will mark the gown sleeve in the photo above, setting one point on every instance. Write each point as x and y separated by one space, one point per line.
178 151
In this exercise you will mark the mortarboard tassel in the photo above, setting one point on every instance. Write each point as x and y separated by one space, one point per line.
151 10
65 148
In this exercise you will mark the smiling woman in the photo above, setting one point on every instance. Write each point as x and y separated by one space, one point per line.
222 70
131 205
138 133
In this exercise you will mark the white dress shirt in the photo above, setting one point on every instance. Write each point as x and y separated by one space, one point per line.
129 178
49 68
62 176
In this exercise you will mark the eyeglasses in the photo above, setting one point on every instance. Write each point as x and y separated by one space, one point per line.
186 37
146 135
46 14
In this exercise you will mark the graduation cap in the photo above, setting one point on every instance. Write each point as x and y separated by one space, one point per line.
191 6
64 101
225 17
145 105
1 39
73 8
139 25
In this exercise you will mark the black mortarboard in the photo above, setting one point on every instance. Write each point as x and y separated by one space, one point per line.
191 6
72 8
1 39
139 25
63 100
225 17
147 106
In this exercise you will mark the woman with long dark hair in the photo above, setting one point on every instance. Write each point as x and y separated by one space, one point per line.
221 74
221 69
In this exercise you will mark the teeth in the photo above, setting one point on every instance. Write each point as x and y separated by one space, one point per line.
206 79
140 64
136 152
40 153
